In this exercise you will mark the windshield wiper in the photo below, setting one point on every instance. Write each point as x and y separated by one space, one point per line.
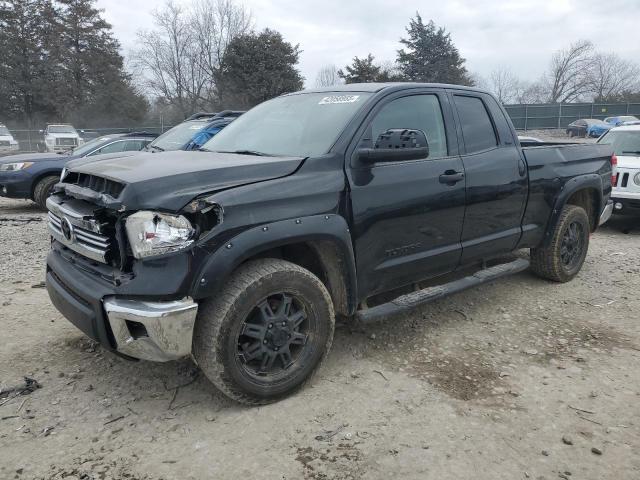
247 152
160 149
635 152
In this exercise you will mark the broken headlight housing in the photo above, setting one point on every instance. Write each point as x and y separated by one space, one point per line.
155 233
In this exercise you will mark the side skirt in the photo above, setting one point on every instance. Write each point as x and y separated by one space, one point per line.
408 302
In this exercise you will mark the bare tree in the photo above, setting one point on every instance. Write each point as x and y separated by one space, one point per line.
569 77
611 76
215 23
504 85
328 76
177 60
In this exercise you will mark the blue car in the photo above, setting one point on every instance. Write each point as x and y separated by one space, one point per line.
33 175
194 132
621 120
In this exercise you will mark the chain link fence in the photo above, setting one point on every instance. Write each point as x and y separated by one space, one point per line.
559 115
33 140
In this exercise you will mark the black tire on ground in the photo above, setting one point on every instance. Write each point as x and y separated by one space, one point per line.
43 189
563 258
264 335
571 134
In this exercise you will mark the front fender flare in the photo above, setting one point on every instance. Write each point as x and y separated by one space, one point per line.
252 242
582 182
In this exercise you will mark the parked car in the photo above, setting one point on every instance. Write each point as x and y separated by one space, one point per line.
588 127
32 175
8 144
88 135
621 120
194 132
625 141
312 205
60 138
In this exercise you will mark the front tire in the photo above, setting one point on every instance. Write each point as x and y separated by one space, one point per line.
264 335
564 257
43 189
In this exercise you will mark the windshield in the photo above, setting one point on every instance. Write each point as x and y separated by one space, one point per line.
89 146
4 130
299 125
597 122
61 129
178 136
623 143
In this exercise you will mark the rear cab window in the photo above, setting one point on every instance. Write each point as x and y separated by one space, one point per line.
477 128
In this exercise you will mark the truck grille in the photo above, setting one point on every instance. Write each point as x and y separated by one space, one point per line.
97 184
74 225
84 242
67 142
4 143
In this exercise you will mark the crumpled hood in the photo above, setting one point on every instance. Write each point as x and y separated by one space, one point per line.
79 161
169 180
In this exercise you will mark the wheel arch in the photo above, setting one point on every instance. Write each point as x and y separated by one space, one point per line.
584 191
320 243
40 176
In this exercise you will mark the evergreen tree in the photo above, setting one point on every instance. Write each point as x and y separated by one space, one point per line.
92 67
364 70
255 68
430 55
28 32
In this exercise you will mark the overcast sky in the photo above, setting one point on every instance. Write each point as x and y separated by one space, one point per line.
518 34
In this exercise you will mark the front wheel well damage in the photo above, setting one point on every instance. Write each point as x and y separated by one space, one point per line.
324 259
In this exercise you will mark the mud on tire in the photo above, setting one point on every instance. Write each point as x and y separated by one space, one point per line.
564 257
265 334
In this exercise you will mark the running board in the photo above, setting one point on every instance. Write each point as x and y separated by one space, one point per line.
406 303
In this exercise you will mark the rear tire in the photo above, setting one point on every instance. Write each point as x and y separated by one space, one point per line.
43 189
571 135
264 335
564 257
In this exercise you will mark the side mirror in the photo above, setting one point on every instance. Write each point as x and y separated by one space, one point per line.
41 131
395 145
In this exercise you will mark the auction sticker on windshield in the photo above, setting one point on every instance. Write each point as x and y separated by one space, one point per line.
339 99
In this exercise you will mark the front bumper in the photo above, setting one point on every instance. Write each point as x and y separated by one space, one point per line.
626 206
156 331
124 319
15 184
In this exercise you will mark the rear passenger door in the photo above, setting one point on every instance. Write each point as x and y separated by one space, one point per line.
496 178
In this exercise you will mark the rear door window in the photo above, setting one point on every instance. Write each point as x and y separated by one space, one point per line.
477 128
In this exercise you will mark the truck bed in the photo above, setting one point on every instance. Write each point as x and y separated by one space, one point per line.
551 166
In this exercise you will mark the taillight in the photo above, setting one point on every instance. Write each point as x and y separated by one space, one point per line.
614 170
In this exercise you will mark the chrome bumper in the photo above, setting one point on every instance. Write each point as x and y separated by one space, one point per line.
156 331
606 213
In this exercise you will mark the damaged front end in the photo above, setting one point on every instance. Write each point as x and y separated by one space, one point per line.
98 278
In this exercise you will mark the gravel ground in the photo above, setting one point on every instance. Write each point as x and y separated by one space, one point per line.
518 379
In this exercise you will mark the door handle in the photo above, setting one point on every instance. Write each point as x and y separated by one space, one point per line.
451 177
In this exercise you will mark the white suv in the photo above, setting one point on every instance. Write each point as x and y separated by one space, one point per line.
60 138
626 146
7 142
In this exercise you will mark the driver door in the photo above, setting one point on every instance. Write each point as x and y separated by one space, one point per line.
408 215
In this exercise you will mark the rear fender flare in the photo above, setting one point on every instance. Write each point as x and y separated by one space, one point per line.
250 243
573 185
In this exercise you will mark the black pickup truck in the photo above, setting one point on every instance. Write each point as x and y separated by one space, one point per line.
358 201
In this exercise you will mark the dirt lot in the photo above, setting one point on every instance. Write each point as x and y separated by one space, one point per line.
518 379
